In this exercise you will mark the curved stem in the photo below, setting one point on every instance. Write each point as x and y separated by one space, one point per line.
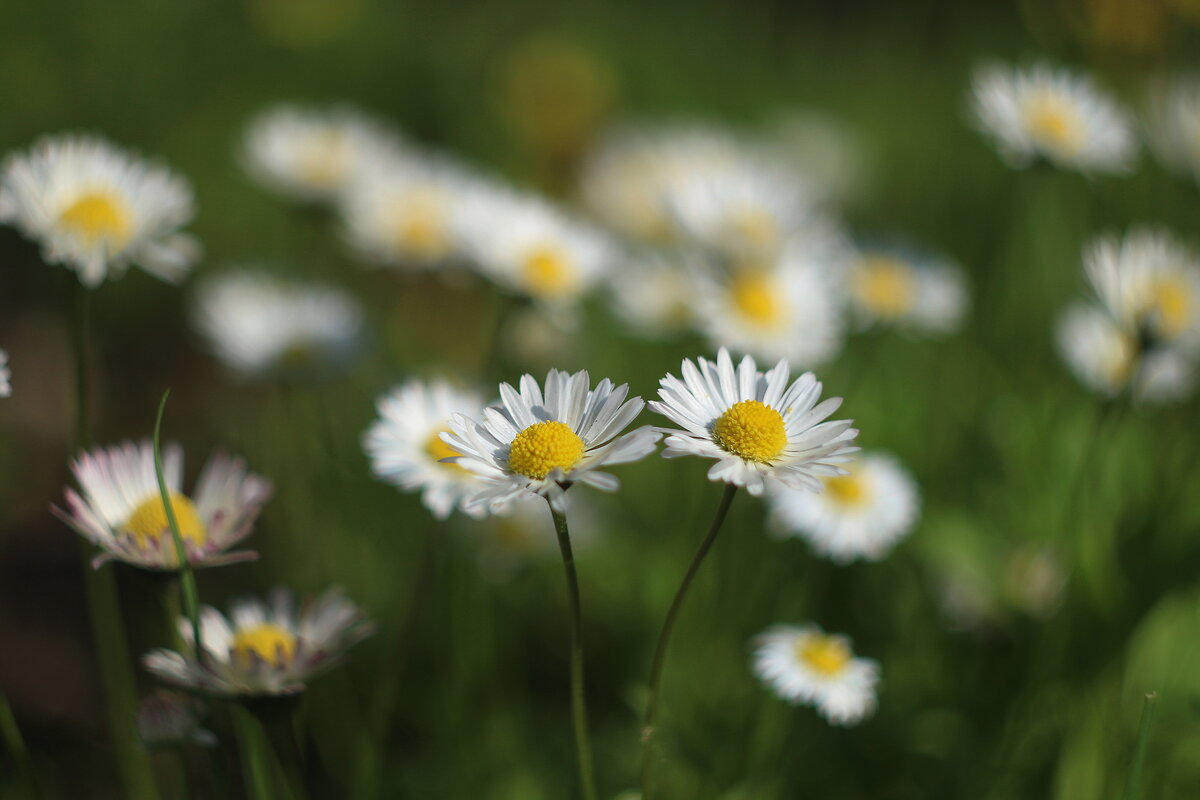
664 638
583 745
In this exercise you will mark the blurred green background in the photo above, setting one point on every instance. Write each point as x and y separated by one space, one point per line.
997 681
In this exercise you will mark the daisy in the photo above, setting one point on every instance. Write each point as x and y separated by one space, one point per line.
119 507
262 648
921 294
5 376
406 448
313 154
541 444
656 294
528 246
171 719
96 208
756 425
1150 283
858 515
258 324
1175 125
1106 358
1055 114
803 665
788 310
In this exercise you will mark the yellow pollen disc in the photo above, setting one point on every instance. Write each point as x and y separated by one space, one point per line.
754 299
437 450
544 447
98 217
1172 304
847 490
547 272
148 522
273 644
884 285
422 231
752 431
1054 125
827 655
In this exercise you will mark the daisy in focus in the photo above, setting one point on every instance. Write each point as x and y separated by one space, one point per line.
262 648
759 426
96 209
535 443
5 376
313 155
259 325
1055 114
805 666
1175 125
861 514
920 294
406 448
119 507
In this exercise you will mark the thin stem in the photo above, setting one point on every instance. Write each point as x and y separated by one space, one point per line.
104 607
583 745
255 762
1133 787
187 577
14 743
664 638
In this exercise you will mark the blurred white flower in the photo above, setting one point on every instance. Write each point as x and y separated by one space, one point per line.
758 426
828 151
805 666
1056 114
858 515
119 507
920 294
314 154
655 292
96 208
171 719
263 648
258 324
406 448
525 533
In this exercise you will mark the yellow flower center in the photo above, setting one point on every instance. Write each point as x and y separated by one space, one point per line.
148 522
847 490
1053 123
544 447
827 655
98 217
1172 305
884 285
437 450
754 299
421 229
752 431
546 271
273 644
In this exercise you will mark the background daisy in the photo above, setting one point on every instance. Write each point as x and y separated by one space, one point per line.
805 666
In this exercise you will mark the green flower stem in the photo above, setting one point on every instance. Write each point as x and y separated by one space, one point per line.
255 760
1133 787
104 607
664 638
14 744
280 727
583 745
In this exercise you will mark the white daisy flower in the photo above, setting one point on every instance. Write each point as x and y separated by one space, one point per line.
406 448
313 154
171 719
1056 114
96 209
656 294
528 246
918 293
540 444
790 310
1175 125
259 324
263 648
827 150
805 666
1106 357
756 425
858 515
5 376
120 510
1150 284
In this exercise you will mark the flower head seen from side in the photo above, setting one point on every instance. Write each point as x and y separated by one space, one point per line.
406 448
920 294
538 442
861 514
1055 114
759 426
806 666
5 376
263 326
262 648
313 154
119 507
96 208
